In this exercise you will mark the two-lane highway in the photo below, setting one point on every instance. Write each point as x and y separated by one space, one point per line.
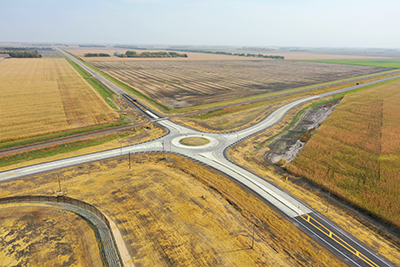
350 250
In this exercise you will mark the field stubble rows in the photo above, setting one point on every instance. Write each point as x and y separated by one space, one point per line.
184 84
41 96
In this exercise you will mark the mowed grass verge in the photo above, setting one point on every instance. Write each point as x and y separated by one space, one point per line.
82 146
44 96
356 152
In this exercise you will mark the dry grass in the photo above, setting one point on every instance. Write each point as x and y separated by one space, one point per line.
41 96
141 134
247 155
43 236
194 141
165 221
356 152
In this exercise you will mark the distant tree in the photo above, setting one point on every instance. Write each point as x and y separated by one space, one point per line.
22 54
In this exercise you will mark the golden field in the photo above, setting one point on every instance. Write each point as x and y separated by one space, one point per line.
175 212
356 152
250 155
46 95
43 236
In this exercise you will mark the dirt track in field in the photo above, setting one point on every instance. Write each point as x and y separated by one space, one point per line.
184 84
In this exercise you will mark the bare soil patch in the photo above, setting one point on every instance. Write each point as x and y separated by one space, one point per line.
43 236
175 212
285 148
192 83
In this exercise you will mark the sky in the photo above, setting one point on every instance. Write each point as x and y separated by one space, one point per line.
293 23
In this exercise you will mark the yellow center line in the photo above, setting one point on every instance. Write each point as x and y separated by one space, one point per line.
337 239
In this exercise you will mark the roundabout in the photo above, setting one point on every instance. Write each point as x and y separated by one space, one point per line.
195 141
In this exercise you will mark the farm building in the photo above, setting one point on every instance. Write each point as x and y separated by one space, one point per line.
117 54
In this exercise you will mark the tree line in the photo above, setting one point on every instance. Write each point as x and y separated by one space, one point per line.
9 48
96 55
234 54
22 54
152 54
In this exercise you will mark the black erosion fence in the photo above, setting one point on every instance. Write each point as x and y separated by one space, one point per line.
83 205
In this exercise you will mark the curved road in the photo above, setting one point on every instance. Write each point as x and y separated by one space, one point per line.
342 244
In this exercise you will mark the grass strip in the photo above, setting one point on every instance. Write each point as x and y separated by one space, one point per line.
42 138
334 98
123 85
59 149
383 63
168 110
103 90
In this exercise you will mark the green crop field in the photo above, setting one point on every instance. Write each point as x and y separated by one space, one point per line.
383 63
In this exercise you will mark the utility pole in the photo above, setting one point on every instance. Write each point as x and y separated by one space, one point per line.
120 145
59 183
329 197
252 242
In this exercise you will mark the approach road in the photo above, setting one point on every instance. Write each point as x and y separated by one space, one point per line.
342 244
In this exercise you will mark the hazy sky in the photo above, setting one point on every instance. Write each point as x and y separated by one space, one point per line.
326 23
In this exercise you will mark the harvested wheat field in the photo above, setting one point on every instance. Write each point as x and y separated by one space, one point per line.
175 212
193 83
355 154
44 236
41 96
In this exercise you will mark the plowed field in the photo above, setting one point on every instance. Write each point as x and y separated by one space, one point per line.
192 83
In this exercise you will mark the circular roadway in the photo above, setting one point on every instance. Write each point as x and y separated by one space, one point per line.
213 141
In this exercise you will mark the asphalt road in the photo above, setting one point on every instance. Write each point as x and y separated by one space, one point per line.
342 244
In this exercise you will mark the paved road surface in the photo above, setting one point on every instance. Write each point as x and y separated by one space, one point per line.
352 251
